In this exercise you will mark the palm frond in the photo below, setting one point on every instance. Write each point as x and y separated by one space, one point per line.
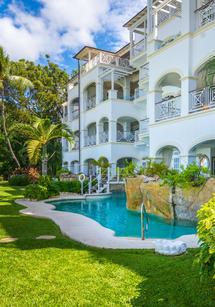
25 130
34 150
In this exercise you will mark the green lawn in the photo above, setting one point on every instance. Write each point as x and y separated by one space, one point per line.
61 272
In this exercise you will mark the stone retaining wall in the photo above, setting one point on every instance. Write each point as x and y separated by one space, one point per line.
158 198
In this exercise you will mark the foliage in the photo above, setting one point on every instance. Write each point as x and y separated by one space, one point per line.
51 185
62 171
191 176
73 186
49 87
31 172
194 174
36 192
19 180
129 170
39 133
206 234
156 169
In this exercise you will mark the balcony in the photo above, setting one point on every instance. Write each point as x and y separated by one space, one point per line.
90 140
126 136
205 14
165 10
106 59
91 103
143 132
103 137
138 48
202 99
167 109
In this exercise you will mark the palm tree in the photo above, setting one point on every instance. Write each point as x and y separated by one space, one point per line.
5 80
39 134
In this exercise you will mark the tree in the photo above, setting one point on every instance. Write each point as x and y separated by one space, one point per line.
40 133
50 87
6 82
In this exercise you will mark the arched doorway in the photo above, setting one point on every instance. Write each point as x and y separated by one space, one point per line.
170 155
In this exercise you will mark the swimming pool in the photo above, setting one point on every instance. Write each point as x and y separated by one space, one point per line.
111 212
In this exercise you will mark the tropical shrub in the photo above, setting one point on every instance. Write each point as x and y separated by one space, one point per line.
31 172
206 234
73 186
36 192
52 186
156 169
129 170
62 171
194 174
19 180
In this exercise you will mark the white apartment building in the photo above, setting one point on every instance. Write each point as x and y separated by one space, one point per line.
154 98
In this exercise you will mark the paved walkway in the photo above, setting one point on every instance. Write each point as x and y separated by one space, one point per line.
88 231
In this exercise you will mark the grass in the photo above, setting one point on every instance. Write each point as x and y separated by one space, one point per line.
61 272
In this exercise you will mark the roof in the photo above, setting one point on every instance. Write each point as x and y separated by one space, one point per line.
83 53
135 18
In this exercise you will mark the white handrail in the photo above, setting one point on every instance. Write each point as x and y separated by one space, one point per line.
143 228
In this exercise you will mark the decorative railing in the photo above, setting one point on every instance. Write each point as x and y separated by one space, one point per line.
103 137
138 48
126 136
168 109
202 99
107 59
206 13
75 114
90 140
167 10
91 103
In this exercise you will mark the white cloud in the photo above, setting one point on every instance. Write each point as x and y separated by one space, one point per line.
64 25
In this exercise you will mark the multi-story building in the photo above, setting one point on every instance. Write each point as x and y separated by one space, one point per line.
155 97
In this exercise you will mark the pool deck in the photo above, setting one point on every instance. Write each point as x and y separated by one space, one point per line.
87 231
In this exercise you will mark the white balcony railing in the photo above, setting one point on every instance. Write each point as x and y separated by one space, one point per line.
138 48
107 59
206 13
90 140
103 137
166 10
91 103
168 108
202 99
126 136
139 93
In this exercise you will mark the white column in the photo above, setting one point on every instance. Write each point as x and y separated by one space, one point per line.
188 84
149 16
126 89
99 90
98 125
153 97
188 16
131 42
112 131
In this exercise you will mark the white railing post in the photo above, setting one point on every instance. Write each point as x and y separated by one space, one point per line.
108 180
90 185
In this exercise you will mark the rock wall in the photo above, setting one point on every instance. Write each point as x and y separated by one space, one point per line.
158 198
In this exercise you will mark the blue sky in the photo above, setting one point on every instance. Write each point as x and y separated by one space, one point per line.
31 29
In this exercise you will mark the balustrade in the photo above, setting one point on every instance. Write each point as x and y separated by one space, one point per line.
126 136
168 108
103 137
91 103
206 13
90 140
202 99
139 47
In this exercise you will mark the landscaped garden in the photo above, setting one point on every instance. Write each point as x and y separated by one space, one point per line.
61 272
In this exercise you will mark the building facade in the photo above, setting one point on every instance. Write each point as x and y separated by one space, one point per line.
154 98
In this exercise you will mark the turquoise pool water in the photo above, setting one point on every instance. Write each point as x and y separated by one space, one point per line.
112 213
